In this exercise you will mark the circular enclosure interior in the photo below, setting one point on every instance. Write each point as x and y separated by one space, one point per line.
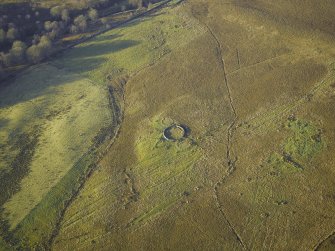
174 132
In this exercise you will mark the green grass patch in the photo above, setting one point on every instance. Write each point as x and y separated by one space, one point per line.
278 163
303 144
164 167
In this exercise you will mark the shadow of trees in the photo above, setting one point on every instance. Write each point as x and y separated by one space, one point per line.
87 57
78 60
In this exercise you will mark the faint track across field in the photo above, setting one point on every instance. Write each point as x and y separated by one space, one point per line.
318 245
118 115
230 159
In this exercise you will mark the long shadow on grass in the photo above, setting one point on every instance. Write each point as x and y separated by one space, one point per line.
91 55
34 83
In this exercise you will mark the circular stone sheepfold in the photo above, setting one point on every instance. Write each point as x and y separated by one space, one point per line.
174 132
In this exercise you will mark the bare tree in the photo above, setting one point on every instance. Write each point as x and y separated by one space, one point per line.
34 54
6 59
48 25
93 14
12 34
18 52
55 30
37 53
36 39
74 29
65 15
45 43
136 3
56 11
80 22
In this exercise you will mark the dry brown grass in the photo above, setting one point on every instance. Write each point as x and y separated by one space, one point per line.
254 85
271 74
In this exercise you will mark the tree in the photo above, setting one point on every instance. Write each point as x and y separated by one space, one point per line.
48 25
56 11
2 36
65 15
55 30
45 43
80 22
18 52
136 3
6 59
61 28
36 39
12 34
19 44
34 54
37 53
93 14
53 34
74 29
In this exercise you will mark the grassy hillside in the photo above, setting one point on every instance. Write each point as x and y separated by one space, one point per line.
85 166
251 169
48 125
60 119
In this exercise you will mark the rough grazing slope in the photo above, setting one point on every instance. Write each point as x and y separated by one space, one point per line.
253 81
251 90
